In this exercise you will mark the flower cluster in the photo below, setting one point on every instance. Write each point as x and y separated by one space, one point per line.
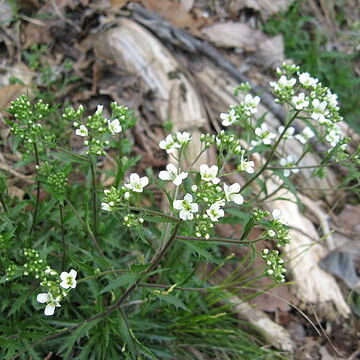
241 113
115 197
318 104
289 164
228 142
26 124
278 229
97 129
133 220
54 176
57 290
274 265
173 174
174 142
264 135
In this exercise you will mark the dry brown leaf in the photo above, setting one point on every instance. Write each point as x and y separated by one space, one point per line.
174 12
118 4
350 217
265 7
9 93
270 53
233 34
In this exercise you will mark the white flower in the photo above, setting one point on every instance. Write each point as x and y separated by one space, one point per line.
306 80
319 110
50 301
289 132
282 83
333 137
173 174
232 193
251 103
99 109
187 207
105 206
305 135
247 166
228 118
82 131
115 126
332 99
209 173
215 212
169 144
183 138
288 162
137 183
264 134
277 215
299 101
68 279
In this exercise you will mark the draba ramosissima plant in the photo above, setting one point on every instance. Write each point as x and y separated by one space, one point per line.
200 195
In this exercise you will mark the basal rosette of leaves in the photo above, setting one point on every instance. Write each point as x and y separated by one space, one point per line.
92 270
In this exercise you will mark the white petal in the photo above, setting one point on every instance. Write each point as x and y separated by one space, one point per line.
238 199
188 197
64 284
43 298
134 177
214 170
164 175
49 309
194 208
73 273
235 188
203 168
171 168
177 204
64 275
144 181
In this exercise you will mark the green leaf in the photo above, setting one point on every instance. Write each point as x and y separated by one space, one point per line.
173 300
123 280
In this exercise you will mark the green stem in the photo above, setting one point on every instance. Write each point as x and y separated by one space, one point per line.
86 228
153 212
271 153
220 239
94 196
197 158
62 236
153 264
37 161
60 149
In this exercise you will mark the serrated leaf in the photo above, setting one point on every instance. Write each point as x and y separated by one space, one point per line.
123 280
173 300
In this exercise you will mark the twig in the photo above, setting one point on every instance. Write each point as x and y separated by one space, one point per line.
179 38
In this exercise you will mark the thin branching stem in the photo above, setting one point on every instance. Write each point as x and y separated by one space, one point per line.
86 228
94 195
220 239
153 264
264 167
37 161
61 206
